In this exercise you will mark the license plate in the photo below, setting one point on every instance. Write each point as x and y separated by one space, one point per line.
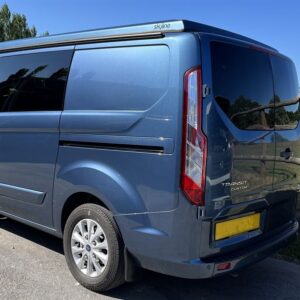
237 226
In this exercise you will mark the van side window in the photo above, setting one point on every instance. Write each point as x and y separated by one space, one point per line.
34 82
243 85
286 88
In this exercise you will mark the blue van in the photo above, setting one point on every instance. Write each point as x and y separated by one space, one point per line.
171 146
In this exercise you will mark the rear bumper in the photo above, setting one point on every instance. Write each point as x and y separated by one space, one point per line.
205 268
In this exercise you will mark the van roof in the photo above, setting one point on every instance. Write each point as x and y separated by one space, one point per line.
137 31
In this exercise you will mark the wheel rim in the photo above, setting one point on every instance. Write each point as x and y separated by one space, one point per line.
89 247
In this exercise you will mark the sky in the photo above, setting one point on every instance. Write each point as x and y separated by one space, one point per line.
274 22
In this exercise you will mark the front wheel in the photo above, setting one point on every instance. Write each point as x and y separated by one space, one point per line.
93 248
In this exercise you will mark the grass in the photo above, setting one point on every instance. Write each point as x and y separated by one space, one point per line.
292 252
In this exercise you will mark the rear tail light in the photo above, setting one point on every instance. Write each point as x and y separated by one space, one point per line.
193 139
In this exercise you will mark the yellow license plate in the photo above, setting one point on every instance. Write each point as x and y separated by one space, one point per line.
237 226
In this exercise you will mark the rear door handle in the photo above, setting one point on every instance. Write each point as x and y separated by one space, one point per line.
287 153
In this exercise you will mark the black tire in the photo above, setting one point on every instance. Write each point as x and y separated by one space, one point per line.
113 274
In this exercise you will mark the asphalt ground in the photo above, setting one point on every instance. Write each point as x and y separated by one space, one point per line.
32 266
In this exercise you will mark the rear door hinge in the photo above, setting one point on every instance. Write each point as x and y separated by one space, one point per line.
205 90
200 212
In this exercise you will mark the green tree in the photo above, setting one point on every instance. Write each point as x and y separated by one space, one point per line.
14 26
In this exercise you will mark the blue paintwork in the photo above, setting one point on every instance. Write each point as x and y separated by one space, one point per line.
136 79
22 194
28 152
160 228
155 123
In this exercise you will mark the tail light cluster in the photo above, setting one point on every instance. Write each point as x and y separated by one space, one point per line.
194 146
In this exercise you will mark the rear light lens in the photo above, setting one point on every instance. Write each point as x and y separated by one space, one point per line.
193 139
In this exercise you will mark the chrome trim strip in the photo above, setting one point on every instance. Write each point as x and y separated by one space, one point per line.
83 41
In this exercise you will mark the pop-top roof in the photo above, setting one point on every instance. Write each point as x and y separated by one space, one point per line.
138 31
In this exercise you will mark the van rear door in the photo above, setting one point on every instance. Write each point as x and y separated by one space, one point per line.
251 122
241 138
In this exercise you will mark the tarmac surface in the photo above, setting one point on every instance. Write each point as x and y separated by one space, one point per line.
32 266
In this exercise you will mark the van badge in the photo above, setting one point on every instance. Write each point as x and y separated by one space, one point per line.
236 185
161 26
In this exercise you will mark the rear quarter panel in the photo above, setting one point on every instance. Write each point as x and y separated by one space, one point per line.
128 182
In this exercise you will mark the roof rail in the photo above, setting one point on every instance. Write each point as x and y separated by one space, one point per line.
138 31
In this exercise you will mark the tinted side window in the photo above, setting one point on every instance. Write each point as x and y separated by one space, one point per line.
243 85
286 87
34 82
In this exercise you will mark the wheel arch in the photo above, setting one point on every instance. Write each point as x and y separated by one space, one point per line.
76 200
92 182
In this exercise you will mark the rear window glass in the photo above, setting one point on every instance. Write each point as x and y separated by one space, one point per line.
243 85
286 88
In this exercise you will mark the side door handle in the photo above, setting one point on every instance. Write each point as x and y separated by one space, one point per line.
287 153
